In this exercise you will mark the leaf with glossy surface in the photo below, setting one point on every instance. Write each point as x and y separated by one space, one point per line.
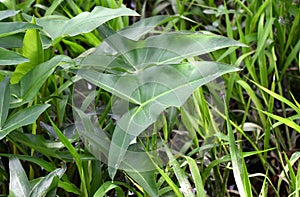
47 183
8 57
4 100
29 85
9 28
151 77
120 53
7 13
152 90
21 118
82 23
33 50
19 184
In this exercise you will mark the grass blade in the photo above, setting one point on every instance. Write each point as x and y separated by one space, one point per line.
4 100
239 168
19 184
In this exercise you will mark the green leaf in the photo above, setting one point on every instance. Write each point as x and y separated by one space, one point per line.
286 121
33 50
82 23
9 28
146 180
4 100
41 162
74 153
120 53
47 183
7 13
238 164
151 77
19 184
196 176
8 57
152 90
21 118
13 41
185 186
29 85
142 27
38 143
106 187
136 164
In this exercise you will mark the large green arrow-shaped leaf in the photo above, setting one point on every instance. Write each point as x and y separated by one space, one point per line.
152 90
150 74
123 54
56 27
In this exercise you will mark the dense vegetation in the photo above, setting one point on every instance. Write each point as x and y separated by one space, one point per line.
149 98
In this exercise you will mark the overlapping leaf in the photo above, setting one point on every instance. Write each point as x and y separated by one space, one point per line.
150 75
7 13
21 118
33 50
29 85
10 28
10 58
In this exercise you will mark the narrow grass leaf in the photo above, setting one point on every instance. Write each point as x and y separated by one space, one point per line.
4 100
169 181
11 58
279 97
53 6
254 98
239 170
285 121
19 184
145 180
21 118
196 176
185 186
75 155
69 187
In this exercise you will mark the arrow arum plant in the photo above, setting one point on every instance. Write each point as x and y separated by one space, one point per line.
151 75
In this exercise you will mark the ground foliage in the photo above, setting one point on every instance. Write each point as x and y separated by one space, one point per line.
220 116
